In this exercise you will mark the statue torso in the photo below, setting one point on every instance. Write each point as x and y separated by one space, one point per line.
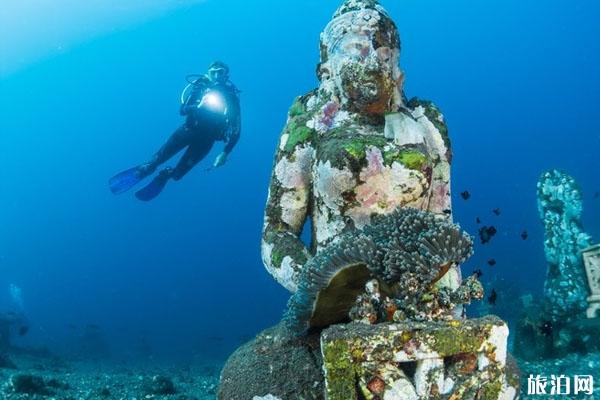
357 172
360 169
339 170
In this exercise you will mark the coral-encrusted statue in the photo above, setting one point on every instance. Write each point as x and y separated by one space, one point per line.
354 147
371 171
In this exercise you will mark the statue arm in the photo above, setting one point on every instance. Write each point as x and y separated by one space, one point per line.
440 201
287 209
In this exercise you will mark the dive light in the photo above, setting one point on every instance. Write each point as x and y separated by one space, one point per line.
213 101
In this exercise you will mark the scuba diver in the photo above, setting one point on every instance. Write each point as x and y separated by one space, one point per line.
211 106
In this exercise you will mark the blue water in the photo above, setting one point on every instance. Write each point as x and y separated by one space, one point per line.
516 80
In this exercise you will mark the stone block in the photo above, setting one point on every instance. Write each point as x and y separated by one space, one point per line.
417 360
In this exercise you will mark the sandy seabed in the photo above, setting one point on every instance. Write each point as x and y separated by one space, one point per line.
50 378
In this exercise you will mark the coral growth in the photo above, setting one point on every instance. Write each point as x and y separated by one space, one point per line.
560 206
371 172
429 360
408 250
557 325
353 147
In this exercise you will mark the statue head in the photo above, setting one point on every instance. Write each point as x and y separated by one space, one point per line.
360 50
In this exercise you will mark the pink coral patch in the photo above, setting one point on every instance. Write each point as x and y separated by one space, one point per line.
374 163
329 112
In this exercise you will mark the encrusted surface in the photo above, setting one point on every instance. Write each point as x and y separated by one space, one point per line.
339 162
371 171
444 360
560 207
408 250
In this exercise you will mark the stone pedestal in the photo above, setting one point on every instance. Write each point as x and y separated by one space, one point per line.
591 258
415 361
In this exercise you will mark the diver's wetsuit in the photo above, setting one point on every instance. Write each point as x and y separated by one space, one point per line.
202 128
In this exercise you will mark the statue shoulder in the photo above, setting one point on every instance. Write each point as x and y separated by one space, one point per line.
425 108
297 131
302 105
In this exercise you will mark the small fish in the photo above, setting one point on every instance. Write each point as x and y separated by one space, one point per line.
546 328
491 262
496 211
23 330
465 195
493 297
447 212
486 233
524 235
478 273
478 220
597 195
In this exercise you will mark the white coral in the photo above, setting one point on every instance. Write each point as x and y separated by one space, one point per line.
295 172
331 183
433 137
266 254
266 397
286 274
328 226
402 389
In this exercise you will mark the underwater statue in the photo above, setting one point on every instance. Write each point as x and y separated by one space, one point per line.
211 106
354 147
564 322
560 206
376 310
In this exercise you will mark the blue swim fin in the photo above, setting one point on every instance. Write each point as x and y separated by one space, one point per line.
154 188
125 180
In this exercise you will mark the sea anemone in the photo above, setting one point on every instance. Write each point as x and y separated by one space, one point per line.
407 251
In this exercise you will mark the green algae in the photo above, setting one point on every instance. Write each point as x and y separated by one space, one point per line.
456 340
284 245
356 149
341 370
490 390
298 133
344 146
297 109
297 130
277 257
411 159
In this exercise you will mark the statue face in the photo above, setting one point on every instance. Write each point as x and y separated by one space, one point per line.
363 61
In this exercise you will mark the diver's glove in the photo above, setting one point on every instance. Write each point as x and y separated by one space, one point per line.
220 160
